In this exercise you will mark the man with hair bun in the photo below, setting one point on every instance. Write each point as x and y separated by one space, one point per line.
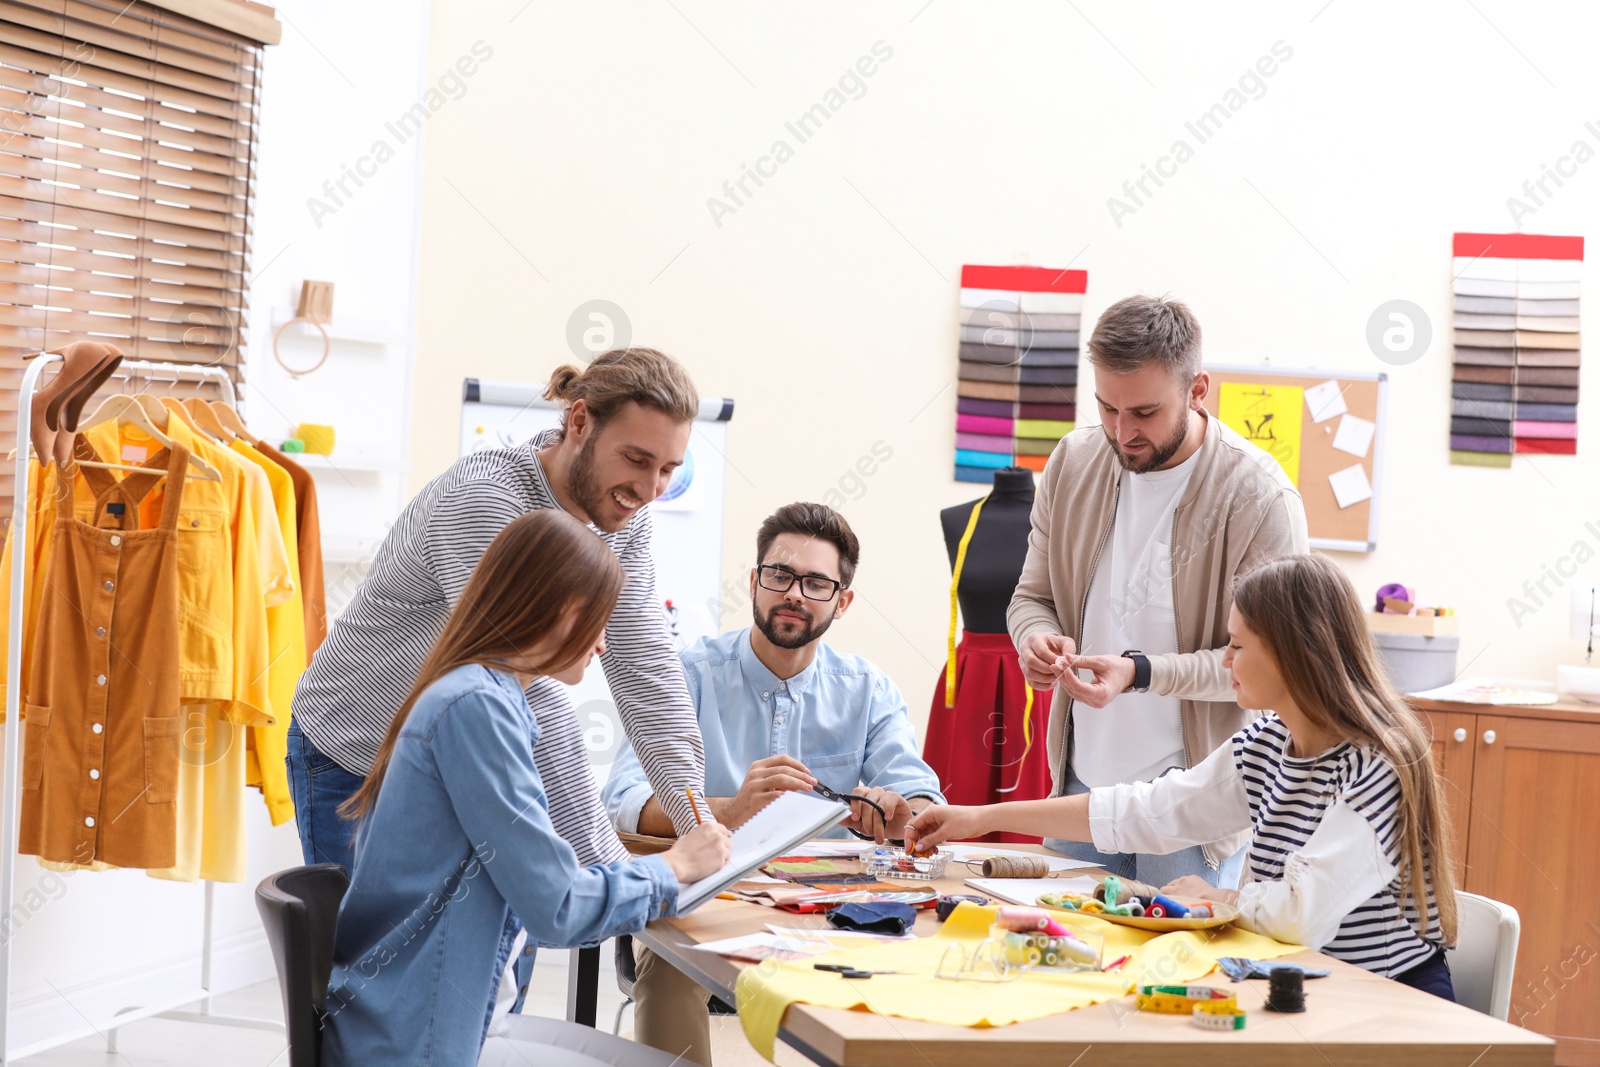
625 427
1140 526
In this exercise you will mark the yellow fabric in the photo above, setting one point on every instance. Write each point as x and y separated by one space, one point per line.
955 583
223 653
286 639
212 831
765 992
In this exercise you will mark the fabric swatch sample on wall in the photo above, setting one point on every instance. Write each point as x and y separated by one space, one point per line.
1518 344
1017 346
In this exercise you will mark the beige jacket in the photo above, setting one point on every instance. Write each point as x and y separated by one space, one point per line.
1239 510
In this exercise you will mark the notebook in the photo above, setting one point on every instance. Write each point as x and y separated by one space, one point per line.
772 831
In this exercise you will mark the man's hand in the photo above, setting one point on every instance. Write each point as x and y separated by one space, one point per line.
864 819
1112 675
1044 658
763 782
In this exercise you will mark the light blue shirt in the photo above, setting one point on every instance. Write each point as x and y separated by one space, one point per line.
459 847
842 717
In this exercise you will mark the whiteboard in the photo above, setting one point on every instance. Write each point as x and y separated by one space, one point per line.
686 542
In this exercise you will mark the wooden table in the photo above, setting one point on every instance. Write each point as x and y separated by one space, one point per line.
1352 1019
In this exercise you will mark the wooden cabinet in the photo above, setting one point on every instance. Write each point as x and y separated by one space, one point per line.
1523 789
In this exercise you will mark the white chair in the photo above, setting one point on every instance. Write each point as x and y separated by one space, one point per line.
1485 955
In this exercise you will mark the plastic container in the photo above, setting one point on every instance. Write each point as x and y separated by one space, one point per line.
896 863
1415 663
1076 950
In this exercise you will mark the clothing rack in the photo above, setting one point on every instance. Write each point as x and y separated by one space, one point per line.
11 797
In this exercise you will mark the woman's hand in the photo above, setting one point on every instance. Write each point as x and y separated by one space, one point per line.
942 823
700 852
1196 888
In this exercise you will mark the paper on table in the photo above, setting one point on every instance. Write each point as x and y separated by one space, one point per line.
765 946
1355 435
1325 401
1028 890
1350 486
962 853
832 848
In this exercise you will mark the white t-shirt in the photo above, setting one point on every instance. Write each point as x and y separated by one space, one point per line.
1137 735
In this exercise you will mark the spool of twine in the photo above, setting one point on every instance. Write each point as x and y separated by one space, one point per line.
1016 867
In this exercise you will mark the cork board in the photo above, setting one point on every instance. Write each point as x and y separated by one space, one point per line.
1345 529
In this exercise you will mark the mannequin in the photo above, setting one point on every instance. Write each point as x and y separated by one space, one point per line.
980 747
994 557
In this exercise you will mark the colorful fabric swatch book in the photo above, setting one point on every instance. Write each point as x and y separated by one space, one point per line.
1017 388
1514 385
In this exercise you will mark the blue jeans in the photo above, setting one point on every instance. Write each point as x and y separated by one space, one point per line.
318 786
1156 870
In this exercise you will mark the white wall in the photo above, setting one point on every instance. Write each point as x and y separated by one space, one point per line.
88 944
581 162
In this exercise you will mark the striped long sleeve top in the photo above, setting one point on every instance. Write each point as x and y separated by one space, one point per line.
1322 869
376 647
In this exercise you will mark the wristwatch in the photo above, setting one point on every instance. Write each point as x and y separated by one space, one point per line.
1141 671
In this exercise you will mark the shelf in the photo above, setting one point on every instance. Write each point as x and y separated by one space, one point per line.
349 333
353 463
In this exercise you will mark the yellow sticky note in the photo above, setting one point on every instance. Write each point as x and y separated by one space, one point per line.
1269 417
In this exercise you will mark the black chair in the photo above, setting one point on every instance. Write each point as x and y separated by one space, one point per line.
300 907
628 974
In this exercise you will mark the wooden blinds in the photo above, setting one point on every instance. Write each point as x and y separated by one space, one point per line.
127 145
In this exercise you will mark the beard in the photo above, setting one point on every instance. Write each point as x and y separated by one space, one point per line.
585 488
790 639
1158 455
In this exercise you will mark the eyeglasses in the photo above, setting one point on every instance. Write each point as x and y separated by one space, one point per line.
812 587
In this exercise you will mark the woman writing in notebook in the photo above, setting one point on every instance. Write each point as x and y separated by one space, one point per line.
455 846
1349 842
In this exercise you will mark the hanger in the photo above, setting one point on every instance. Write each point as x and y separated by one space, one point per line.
230 420
127 410
199 414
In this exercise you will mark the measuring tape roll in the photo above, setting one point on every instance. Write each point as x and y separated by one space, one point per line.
1184 999
1215 1016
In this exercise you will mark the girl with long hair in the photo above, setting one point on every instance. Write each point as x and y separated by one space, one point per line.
1350 845
455 850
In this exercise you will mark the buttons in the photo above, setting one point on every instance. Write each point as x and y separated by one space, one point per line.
765 695
528 951
100 679
97 728
89 821
115 540
108 585
194 522
94 774
99 631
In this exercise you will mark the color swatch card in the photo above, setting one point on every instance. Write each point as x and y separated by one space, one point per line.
1017 377
1515 325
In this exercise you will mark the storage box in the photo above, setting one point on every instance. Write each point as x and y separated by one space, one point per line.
1422 625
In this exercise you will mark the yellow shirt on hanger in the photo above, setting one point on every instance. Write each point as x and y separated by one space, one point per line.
286 639
42 511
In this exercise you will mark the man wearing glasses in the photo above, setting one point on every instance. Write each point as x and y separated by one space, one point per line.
779 711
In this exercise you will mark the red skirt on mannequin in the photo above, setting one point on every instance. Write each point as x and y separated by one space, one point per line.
979 748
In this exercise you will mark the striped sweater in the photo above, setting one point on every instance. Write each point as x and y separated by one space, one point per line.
376 647
1322 867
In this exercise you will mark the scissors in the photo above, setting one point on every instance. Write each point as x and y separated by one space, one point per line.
833 794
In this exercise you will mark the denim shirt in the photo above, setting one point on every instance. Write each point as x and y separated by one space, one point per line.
841 716
459 847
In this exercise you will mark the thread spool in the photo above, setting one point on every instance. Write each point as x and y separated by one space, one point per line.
1023 920
1016 867
1286 991
1124 890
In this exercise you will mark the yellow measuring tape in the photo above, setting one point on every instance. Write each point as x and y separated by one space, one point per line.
950 645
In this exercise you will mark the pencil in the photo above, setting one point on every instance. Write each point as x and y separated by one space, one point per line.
693 805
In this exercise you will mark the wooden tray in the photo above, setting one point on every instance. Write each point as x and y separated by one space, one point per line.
1224 914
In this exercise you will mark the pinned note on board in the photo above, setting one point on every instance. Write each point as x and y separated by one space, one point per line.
1325 401
1350 486
1355 435
1269 417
